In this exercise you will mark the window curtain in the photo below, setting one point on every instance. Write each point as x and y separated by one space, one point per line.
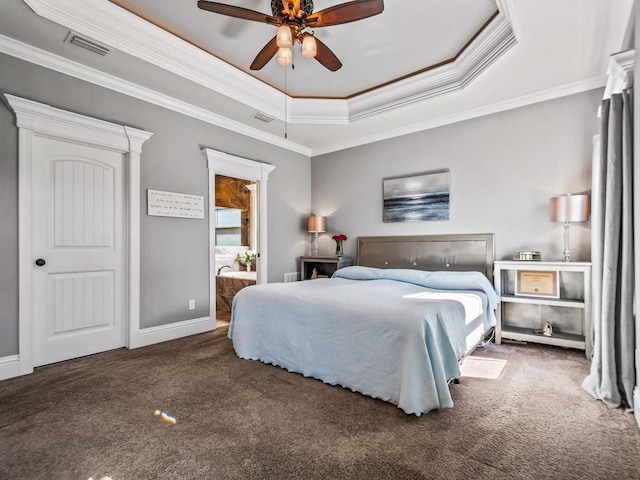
612 376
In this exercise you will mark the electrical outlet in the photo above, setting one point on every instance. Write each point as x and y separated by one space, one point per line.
192 304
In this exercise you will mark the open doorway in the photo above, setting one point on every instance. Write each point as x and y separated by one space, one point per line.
235 240
249 234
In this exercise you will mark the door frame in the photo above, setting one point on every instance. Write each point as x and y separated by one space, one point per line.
220 163
35 119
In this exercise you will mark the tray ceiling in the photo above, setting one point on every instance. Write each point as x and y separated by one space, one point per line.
417 65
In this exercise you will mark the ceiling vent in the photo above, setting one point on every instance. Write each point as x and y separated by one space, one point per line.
263 117
93 47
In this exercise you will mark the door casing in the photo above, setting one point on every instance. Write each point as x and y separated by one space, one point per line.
220 163
38 119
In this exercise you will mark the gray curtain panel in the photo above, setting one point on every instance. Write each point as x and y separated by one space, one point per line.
612 376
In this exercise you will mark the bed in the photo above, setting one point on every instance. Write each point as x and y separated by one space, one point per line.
394 327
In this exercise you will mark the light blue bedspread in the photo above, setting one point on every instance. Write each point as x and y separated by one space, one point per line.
378 332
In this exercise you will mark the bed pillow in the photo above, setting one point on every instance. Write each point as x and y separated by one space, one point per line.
437 280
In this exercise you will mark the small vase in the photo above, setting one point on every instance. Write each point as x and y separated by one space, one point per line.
339 249
248 267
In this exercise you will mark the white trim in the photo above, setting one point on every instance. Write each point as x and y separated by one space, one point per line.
522 101
636 404
220 163
107 23
10 367
33 118
120 29
25 339
68 67
494 40
620 72
136 139
60 64
172 331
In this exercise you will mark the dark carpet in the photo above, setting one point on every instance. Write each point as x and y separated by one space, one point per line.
240 419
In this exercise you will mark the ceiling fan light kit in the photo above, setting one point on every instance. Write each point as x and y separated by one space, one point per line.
284 37
295 20
285 56
309 46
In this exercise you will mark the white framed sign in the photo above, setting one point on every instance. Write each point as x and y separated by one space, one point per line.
172 204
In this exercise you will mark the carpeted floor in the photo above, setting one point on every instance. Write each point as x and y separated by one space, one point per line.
522 415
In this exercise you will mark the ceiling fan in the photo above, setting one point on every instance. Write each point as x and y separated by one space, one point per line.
295 19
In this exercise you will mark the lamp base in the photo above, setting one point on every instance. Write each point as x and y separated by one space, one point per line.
566 255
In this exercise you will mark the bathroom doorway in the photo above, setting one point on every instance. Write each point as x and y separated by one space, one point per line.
237 233
235 240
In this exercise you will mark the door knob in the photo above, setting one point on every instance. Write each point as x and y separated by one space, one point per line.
40 262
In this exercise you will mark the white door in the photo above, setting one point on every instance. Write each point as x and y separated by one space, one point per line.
78 250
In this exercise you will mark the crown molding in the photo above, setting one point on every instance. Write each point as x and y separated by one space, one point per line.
77 70
107 23
62 65
620 72
68 67
120 29
522 101
493 41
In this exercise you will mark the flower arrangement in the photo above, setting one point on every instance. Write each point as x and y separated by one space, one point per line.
340 239
249 256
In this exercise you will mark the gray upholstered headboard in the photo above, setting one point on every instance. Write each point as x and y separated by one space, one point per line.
465 252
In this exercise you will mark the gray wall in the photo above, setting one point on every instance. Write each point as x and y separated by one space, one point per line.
174 252
504 168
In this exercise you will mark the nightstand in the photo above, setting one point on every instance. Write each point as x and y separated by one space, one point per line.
533 293
325 266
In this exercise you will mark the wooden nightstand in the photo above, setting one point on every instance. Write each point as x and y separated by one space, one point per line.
325 266
568 307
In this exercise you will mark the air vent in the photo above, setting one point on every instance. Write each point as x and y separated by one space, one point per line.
93 47
263 117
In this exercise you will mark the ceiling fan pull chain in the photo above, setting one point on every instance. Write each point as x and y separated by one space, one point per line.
285 99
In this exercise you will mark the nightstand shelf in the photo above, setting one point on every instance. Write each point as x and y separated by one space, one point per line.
544 301
558 339
567 307
324 266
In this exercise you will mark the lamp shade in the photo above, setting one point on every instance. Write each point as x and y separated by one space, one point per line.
285 57
309 47
570 208
317 224
284 39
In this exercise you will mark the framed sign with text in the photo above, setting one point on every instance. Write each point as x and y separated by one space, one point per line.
536 283
172 204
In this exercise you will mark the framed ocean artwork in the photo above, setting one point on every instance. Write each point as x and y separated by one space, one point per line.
420 198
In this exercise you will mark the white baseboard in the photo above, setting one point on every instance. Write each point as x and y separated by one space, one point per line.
636 404
9 367
164 333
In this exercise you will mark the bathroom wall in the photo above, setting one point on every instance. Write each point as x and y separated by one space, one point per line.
233 193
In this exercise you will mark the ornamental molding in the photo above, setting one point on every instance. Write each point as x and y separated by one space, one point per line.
117 28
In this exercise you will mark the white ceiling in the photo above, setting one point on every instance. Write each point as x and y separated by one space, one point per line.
531 51
390 39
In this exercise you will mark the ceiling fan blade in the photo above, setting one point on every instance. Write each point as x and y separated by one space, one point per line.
326 57
266 54
237 12
345 13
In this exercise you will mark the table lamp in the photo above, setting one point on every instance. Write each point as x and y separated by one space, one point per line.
569 208
317 224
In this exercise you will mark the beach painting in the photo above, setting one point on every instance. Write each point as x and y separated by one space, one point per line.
421 198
